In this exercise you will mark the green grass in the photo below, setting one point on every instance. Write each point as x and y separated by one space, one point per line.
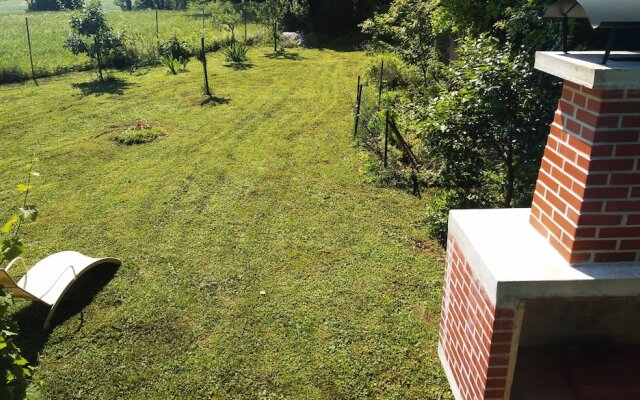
258 190
49 31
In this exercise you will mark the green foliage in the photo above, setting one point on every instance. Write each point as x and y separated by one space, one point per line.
174 54
176 48
236 52
480 119
92 35
396 73
225 16
173 65
273 14
54 5
406 30
14 369
49 31
486 130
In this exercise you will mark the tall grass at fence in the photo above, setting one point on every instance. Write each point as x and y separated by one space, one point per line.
49 31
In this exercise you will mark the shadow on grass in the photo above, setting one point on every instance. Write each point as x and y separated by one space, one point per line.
107 86
214 101
31 319
284 55
243 66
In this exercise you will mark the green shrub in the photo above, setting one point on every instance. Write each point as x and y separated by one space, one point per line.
396 73
139 134
14 369
173 65
236 52
488 126
176 48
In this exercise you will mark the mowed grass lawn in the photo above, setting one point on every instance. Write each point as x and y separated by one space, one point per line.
259 191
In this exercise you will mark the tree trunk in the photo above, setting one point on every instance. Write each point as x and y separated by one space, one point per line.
275 37
508 195
98 57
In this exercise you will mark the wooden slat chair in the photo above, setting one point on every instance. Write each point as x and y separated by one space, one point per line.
49 279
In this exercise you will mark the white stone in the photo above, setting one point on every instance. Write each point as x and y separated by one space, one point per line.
293 37
585 68
513 261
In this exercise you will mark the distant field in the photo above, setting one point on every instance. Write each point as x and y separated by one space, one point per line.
49 30
13 6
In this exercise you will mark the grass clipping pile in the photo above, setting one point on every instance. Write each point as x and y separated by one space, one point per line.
140 133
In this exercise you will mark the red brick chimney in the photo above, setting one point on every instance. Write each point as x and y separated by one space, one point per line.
587 200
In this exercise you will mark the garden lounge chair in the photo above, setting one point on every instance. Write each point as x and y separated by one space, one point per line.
51 278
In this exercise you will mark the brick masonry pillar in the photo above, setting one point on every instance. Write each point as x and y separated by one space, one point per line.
587 199
475 337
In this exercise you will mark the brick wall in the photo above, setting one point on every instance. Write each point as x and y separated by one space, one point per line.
475 338
587 200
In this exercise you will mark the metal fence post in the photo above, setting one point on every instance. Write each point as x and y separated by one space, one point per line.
386 138
33 71
380 87
358 102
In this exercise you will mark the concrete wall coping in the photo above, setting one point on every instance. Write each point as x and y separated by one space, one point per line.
584 68
514 262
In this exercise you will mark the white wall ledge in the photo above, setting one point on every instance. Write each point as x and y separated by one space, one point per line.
584 68
513 261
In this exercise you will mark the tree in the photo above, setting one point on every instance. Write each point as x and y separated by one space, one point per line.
225 15
273 13
406 29
93 36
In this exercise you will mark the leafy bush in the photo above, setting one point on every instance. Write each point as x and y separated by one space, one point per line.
177 48
407 30
486 130
396 73
14 369
174 66
139 134
236 52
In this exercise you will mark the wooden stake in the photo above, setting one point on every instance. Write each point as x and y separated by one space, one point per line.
204 67
33 71
157 31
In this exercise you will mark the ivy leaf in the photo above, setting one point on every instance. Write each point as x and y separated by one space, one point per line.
12 248
7 227
28 213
